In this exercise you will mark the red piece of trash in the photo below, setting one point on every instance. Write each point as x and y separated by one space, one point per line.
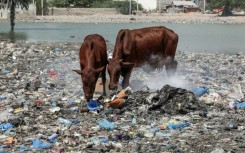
38 102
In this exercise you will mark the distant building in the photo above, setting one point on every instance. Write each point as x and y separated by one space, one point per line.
182 6
164 4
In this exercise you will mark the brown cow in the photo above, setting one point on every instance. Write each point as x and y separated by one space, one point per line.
152 46
93 61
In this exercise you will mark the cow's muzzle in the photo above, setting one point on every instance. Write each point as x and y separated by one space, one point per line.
112 87
88 98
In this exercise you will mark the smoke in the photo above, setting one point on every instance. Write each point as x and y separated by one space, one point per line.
156 79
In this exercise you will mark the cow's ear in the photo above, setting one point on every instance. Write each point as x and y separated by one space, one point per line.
127 64
78 71
99 69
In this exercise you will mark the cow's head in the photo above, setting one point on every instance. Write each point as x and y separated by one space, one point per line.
114 69
89 79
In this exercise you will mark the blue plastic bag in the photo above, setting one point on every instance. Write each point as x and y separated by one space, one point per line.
200 91
103 139
38 144
105 124
93 105
23 148
240 104
5 71
173 126
5 126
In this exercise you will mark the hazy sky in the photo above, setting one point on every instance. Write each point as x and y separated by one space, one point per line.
148 4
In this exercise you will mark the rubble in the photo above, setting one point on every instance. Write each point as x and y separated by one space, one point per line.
42 107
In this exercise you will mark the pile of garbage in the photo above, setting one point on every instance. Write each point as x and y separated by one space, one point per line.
42 107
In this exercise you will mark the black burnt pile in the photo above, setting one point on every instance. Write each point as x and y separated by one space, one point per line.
170 100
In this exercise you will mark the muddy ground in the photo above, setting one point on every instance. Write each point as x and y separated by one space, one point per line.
38 89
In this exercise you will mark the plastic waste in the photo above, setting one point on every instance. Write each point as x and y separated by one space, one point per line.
173 126
2 97
231 126
23 148
5 71
160 134
57 49
54 109
93 105
74 108
38 144
200 91
5 126
105 124
134 121
52 138
70 100
239 104
117 103
64 121
103 139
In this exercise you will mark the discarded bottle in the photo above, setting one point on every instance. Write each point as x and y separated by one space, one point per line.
173 126
52 138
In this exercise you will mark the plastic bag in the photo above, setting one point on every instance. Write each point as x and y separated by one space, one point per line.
200 91
105 124
38 144
93 105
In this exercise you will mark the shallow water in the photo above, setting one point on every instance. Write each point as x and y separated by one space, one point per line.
225 38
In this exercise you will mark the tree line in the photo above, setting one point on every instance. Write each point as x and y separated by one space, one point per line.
121 6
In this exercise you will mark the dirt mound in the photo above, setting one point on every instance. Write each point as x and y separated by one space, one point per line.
169 100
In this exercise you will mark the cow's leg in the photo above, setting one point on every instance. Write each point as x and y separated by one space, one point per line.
126 75
171 66
103 77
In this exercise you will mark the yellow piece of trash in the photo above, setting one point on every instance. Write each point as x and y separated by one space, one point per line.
163 126
17 110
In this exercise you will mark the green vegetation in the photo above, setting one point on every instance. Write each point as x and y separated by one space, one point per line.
227 5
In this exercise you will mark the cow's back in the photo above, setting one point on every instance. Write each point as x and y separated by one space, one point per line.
93 51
